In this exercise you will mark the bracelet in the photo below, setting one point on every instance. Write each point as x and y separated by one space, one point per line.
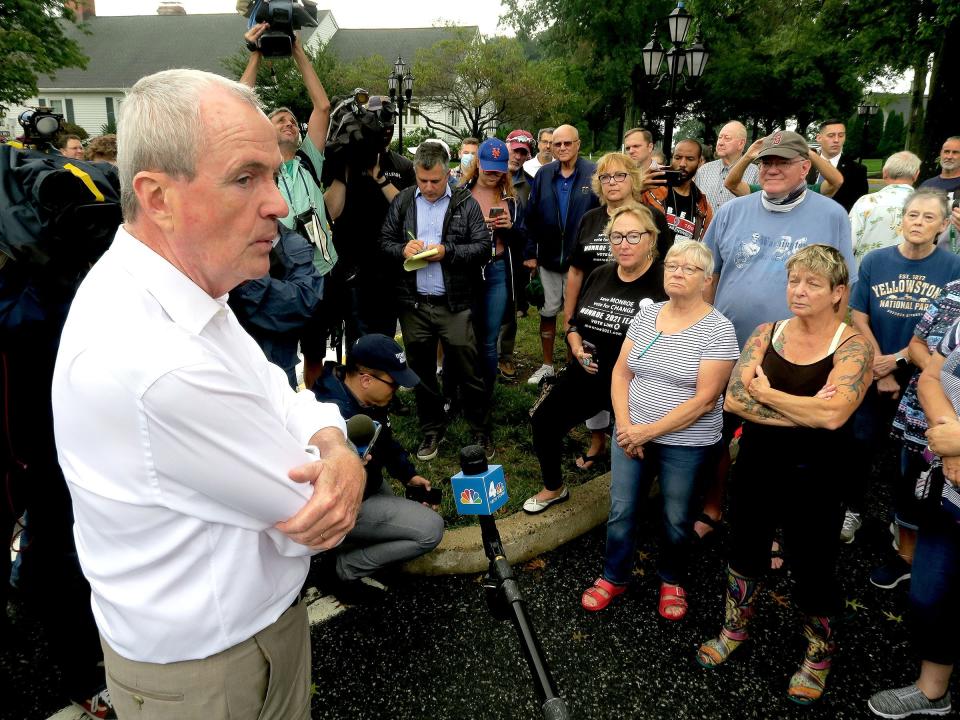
385 182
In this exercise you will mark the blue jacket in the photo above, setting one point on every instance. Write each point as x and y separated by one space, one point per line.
387 452
275 308
551 241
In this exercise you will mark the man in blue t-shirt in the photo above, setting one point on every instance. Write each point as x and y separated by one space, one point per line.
949 178
752 237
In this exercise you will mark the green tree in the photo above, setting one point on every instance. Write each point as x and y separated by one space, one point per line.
32 43
484 81
894 135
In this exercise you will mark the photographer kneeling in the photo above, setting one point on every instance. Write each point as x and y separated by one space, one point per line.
298 182
389 529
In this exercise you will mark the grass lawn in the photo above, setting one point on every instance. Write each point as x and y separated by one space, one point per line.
874 165
511 432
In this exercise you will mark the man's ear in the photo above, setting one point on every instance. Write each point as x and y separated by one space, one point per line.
153 197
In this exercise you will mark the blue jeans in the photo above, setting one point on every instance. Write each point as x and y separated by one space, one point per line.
493 305
935 589
680 469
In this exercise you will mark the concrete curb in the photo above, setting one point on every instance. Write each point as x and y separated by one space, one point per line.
524 536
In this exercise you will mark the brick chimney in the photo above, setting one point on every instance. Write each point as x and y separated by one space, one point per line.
85 9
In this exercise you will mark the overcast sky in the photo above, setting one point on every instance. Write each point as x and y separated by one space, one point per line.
348 13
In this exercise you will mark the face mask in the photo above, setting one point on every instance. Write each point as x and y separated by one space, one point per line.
466 160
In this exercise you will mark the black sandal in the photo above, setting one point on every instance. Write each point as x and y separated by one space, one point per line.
596 461
716 527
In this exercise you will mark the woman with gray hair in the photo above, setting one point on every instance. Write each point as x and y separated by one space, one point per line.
667 392
796 385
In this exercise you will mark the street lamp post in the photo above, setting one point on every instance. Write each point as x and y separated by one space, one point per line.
678 57
866 109
400 84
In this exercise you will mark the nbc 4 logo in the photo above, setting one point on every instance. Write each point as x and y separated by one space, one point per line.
470 497
495 490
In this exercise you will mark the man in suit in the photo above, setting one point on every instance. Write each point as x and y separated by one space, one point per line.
831 137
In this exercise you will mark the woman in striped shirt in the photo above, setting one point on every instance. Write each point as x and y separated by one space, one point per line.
667 394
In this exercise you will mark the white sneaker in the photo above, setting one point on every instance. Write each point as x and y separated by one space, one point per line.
544 371
851 523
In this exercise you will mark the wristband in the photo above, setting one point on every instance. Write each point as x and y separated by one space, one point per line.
384 183
252 46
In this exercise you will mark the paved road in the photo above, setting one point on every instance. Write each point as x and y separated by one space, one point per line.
431 650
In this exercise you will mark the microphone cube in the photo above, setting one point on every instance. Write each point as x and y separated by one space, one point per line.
482 494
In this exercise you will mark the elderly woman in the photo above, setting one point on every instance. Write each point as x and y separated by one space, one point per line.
617 181
667 392
797 384
935 585
610 299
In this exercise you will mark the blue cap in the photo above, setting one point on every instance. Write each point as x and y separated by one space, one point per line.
379 352
493 155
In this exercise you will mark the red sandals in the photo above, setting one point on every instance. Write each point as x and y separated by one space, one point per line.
601 593
673 602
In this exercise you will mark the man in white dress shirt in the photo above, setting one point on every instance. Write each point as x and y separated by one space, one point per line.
201 483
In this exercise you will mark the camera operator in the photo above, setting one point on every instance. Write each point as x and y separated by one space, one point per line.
299 185
358 200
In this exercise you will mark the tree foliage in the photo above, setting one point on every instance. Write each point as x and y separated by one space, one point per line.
485 81
894 135
32 43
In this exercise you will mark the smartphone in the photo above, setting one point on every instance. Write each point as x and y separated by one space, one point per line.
365 449
496 212
418 493
591 350
671 177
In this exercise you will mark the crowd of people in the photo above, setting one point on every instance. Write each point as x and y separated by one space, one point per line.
763 300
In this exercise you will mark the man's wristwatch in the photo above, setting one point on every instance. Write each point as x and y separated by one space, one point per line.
383 181
252 46
902 362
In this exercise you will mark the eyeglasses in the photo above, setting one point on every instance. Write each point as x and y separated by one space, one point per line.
607 178
769 162
631 237
388 383
564 143
688 270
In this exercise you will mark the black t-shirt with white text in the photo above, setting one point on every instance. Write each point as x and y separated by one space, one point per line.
593 247
608 304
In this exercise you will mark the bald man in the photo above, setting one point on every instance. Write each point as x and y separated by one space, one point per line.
559 196
730 143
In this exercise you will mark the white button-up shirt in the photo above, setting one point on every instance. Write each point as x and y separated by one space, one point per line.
175 435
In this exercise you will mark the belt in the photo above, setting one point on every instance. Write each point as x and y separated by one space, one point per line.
432 299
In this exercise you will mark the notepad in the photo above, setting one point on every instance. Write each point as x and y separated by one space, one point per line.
419 260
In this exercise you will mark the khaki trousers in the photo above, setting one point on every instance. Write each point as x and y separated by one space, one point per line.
264 678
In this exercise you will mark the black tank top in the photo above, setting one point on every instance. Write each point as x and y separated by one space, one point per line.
804 381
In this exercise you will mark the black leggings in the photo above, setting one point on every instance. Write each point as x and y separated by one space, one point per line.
788 478
576 397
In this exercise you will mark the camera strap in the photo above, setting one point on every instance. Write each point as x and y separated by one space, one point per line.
308 222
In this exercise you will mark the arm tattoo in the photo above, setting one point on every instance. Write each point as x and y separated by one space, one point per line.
859 354
738 391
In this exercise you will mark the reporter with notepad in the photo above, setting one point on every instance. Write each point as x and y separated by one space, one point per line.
435 299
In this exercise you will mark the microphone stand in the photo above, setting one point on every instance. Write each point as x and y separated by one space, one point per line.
505 601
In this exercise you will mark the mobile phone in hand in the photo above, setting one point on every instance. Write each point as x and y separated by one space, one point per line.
418 493
672 177
496 212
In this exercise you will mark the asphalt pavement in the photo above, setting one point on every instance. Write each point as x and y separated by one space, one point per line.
431 649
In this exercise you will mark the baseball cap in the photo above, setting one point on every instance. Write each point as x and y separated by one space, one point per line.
786 144
520 139
379 352
493 155
413 150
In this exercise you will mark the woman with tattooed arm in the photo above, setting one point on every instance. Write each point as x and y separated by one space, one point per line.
797 383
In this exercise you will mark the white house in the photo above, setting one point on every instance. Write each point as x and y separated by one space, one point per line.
122 49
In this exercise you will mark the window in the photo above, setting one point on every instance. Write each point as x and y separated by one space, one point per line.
55 105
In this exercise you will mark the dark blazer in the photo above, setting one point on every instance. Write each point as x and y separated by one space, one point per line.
854 185
551 241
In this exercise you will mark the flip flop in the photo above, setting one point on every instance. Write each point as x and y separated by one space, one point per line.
597 459
716 526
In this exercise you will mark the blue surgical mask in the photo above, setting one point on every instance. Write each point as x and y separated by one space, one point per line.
466 160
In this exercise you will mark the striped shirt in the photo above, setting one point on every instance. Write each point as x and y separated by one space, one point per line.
665 370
